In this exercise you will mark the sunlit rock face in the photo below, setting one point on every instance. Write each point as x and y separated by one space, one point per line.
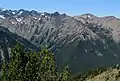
83 41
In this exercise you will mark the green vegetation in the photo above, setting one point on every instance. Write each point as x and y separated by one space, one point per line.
88 74
32 66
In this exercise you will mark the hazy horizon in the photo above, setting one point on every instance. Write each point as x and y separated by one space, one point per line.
73 7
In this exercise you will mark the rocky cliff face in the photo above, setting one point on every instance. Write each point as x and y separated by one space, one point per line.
8 40
83 41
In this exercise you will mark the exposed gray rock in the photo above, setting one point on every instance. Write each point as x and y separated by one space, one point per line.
83 41
8 40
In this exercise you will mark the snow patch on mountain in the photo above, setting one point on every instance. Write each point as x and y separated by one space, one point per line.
20 12
19 19
1 16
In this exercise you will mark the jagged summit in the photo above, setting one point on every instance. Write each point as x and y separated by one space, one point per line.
9 12
110 17
23 12
88 15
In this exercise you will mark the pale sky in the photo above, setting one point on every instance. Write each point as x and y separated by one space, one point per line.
71 7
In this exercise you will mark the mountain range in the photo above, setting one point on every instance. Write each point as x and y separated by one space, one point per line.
83 42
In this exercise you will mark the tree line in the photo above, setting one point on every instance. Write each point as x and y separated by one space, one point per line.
26 65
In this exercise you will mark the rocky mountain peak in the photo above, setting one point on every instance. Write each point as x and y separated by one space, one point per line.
87 15
110 18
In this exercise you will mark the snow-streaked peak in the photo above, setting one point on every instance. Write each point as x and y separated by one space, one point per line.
42 14
46 16
13 22
1 16
87 15
20 13
13 12
19 19
39 18
35 17
3 9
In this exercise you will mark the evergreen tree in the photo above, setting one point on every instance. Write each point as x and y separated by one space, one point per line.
65 74
31 66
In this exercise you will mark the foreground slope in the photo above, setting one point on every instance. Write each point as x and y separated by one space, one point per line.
109 75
